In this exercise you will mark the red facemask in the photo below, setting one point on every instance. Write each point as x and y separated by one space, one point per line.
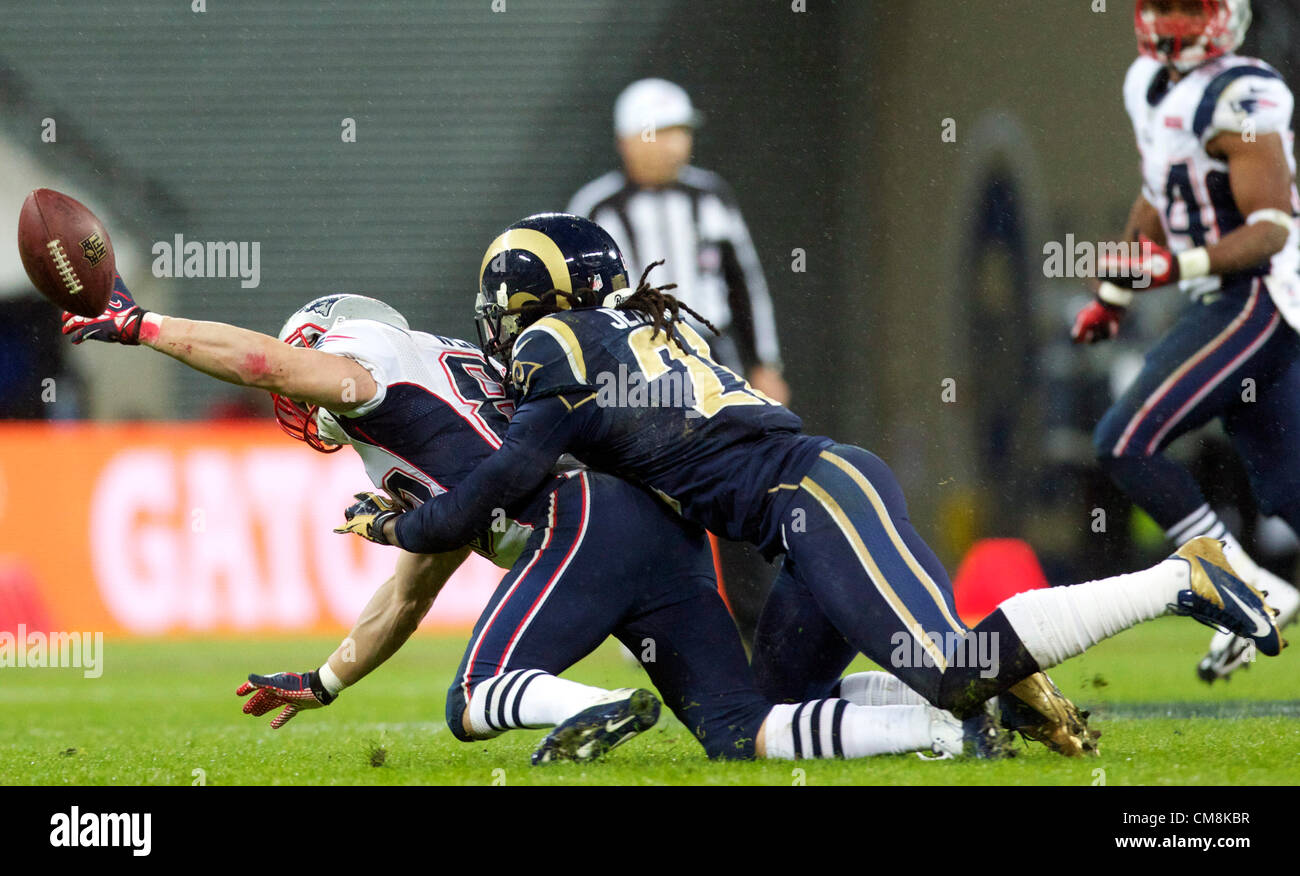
296 419
1180 32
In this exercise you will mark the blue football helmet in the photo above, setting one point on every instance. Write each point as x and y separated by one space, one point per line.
542 263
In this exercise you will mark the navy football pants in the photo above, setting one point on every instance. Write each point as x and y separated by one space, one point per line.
1233 358
607 558
856 577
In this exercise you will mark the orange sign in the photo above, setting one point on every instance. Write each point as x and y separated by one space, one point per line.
190 528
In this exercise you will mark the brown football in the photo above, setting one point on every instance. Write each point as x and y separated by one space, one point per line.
66 252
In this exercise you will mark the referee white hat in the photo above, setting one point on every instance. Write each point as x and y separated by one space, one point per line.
651 104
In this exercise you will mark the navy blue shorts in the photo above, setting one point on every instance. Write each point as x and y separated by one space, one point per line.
856 578
607 558
1230 356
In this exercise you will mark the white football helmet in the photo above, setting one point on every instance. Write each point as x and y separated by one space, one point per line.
304 328
1187 33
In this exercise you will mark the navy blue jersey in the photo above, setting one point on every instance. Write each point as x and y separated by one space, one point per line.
665 415
603 385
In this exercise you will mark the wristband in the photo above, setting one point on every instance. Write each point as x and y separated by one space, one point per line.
330 680
1194 263
150 325
1114 295
1277 217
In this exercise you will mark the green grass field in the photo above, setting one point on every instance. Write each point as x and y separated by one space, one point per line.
165 713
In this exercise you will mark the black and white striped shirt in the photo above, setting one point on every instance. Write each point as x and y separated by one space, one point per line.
696 227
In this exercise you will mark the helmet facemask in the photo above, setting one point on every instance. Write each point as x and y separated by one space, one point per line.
1184 34
299 421
497 327
305 328
295 418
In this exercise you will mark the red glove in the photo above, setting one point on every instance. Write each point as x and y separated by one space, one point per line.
119 323
292 690
1154 266
1098 321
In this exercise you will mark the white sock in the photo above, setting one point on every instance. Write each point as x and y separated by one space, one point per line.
1246 568
878 689
1058 623
1202 521
527 698
837 728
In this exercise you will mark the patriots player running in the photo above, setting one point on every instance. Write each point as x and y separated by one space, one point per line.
583 352
589 555
1216 215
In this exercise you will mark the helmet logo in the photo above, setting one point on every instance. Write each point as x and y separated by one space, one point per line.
323 306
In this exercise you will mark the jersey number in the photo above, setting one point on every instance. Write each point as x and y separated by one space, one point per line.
713 387
1183 214
477 390
401 485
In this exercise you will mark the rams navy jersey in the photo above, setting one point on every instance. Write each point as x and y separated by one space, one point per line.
666 416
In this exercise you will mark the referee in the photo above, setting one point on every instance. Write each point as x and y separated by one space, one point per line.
659 207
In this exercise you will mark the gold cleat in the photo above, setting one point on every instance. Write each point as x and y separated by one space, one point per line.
1038 710
1211 551
1211 578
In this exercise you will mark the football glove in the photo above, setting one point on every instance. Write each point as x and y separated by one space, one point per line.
119 323
292 690
367 516
1098 321
1155 266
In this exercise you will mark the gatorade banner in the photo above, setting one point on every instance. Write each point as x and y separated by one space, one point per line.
175 529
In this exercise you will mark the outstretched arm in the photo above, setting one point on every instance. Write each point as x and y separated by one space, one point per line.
389 618
230 353
393 613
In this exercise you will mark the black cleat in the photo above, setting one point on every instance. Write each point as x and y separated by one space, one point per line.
595 730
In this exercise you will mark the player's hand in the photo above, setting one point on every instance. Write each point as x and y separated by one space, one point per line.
119 323
1153 267
291 690
367 516
1098 321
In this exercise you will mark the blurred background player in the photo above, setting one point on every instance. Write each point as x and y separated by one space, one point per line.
658 206
1216 216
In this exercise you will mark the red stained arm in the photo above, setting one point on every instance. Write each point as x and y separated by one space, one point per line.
249 358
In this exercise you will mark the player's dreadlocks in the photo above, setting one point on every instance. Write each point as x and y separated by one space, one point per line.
663 310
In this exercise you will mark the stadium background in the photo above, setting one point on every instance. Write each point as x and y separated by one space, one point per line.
923 257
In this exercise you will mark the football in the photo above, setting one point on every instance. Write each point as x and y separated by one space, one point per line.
66 252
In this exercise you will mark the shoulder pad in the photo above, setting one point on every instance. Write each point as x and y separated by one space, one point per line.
372 345
1138 83
548 360
1244 97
